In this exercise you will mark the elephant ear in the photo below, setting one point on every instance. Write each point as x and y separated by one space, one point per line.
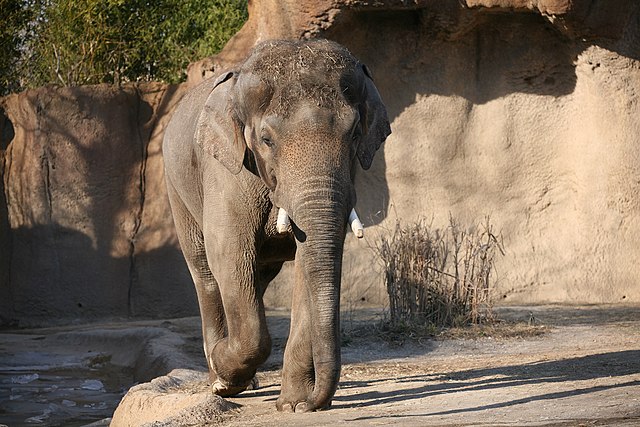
218 130
373 119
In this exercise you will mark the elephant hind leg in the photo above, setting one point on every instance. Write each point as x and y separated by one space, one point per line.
209 298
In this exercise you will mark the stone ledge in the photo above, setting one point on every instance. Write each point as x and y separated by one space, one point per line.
183 397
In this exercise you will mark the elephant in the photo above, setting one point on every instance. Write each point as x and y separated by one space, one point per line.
280 133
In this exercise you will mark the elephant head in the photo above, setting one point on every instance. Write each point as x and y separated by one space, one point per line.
298 115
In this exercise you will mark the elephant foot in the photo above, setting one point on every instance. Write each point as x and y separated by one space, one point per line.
293 407
223 389
298 405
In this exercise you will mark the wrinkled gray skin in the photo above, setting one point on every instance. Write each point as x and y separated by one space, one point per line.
284 130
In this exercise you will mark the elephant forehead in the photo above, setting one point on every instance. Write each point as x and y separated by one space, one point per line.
334 118
305 118
290 99
313 139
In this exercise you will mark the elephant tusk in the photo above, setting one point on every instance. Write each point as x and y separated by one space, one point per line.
356 225
282 224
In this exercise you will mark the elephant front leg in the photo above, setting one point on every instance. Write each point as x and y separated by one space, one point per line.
234 359
298 376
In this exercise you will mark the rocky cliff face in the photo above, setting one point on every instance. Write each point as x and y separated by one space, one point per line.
524 111
89 232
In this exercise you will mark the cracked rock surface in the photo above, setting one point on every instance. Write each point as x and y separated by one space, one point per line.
91 233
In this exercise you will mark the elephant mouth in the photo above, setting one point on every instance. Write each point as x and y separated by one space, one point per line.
283 223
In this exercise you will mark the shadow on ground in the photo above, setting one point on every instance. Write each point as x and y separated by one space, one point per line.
361 342
566 316
605 365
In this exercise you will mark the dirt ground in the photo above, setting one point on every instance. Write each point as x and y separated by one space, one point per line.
574 366
583 370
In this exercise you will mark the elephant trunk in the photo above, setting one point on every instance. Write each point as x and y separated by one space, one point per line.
320 225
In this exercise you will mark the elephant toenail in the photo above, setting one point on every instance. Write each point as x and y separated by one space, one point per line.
254 384
218 388
287 407
302 407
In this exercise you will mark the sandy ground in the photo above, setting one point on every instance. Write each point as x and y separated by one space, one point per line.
583 370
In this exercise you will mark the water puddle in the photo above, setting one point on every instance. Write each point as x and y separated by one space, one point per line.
76 375
57 387
61 396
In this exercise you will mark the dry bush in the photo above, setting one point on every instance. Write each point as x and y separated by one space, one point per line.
439 277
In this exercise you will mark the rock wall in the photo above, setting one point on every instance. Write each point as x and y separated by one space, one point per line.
90 229
524 111
508 117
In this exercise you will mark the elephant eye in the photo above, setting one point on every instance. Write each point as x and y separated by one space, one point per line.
267 141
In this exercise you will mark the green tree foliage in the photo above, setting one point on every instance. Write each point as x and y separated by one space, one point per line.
14 18
74 42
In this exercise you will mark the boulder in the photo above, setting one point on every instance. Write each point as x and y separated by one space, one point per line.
181 398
